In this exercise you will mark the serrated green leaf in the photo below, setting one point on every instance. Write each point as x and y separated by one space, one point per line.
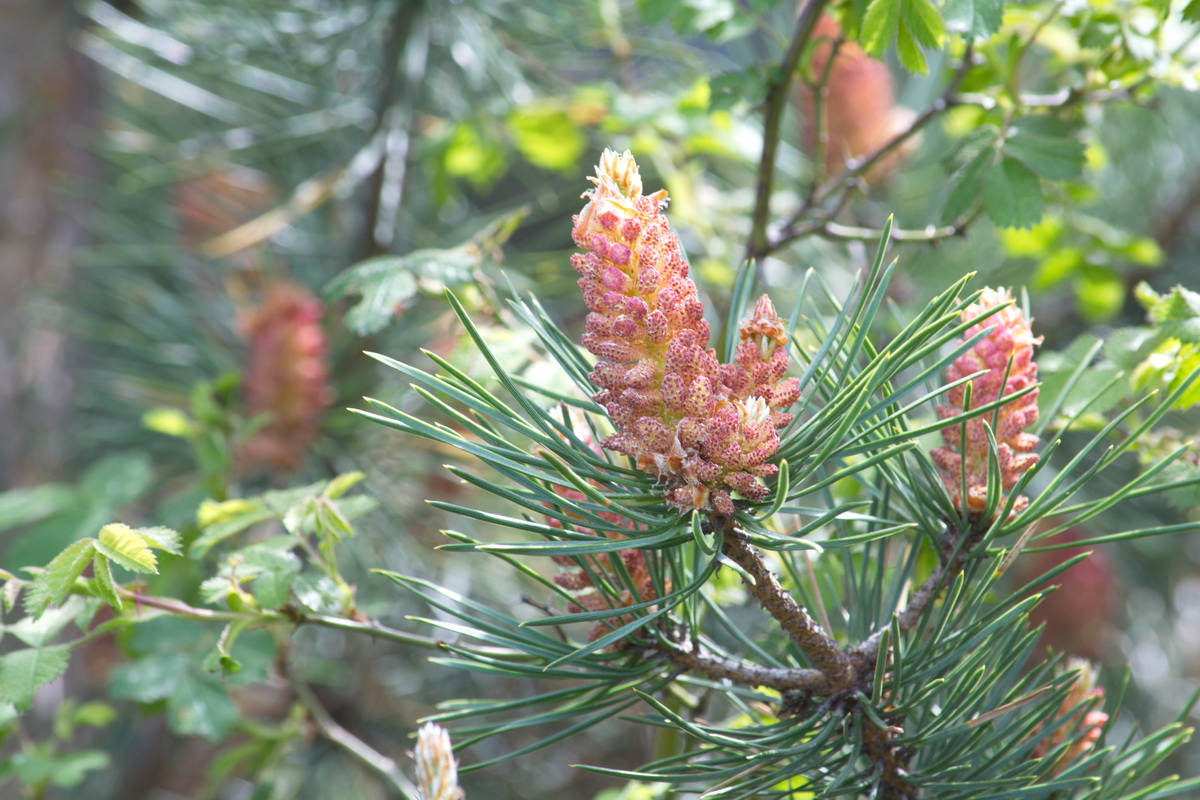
317 593
40 631
105 585
879 25
127 547
912 57
976 19
23 672
161 538
923 21
54 582
272 588
1047 147
1177 314
387 285
1012 195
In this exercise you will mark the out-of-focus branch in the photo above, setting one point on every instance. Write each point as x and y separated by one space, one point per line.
758 244
356 747
810 218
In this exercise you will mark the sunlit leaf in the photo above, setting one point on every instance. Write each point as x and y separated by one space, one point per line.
127 547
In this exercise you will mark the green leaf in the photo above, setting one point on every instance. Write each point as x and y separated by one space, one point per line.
272 587
914 24
976 19
105 586
161 538
1012 195
200 706
148 679
879 26
219 521
12 590
127 547
22 672
389 284
341 484
544 133
66 770
1100 293
1191 12
22 506
1047 146
1177 314
971 165
471 156
40 631
54 582
923 21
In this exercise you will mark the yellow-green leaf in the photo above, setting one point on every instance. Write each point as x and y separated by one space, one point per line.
127 547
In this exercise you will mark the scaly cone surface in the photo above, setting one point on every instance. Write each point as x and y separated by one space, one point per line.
1006 355
702 428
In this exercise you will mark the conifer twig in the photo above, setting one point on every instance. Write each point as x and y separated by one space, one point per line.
716 667
805 631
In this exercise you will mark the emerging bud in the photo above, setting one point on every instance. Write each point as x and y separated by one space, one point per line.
437 771
1005 355
702 428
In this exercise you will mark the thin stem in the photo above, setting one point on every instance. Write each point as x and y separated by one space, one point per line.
356 747
775 104
818 645
367 627
746 674
841 185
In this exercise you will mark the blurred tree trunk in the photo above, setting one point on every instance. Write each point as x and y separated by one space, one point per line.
47 96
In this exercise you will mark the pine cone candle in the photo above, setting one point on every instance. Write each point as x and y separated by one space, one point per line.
700 427
1080 727
286 375
1006 354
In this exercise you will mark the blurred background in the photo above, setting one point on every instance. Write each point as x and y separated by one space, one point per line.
198 194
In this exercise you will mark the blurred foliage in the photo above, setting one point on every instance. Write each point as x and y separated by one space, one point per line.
380 152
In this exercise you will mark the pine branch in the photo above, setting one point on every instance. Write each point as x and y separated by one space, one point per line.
806 632
894 763
743 673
